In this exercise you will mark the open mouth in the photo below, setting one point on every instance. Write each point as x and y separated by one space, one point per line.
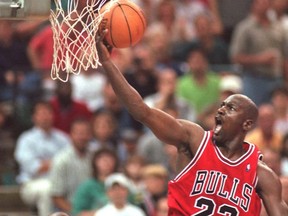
218 125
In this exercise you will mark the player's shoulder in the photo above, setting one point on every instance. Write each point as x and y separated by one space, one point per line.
195 132
263 169
193 129
266 176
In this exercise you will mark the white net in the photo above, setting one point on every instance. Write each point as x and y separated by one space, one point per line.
75 25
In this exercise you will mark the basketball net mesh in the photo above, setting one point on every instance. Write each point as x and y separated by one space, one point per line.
74 34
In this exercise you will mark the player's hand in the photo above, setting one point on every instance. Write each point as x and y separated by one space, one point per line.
103 48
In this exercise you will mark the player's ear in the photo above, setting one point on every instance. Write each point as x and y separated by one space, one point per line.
248 124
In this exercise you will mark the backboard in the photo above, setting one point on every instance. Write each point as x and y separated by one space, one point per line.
25 9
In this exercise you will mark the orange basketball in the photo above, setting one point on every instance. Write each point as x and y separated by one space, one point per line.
125 22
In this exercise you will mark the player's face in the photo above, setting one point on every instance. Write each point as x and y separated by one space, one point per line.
229 119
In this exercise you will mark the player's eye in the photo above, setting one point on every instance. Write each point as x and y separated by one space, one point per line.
232 108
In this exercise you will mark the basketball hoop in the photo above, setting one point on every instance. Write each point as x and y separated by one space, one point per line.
74 32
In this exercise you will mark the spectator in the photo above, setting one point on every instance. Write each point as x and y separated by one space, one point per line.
265 134
149 8
40 50
132 169
279 101
104 131
88 88
71 166
213 46
258 46
166 95
225 11
127 146
187 11
34 153
13 57
65 108
166 23
19 87
278 12
203 83
162 206
155 178
143 75
117 186
113 105
91 195
151 148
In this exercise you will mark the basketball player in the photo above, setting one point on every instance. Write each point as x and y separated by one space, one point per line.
219 173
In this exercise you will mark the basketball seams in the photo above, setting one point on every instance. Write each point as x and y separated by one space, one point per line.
140 15
110 23
127 23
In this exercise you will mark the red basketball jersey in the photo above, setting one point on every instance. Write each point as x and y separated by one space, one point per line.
213 185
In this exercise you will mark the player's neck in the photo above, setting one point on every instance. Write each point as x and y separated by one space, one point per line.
232 152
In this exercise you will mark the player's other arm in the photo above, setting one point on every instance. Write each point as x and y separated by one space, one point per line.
269 188
165 127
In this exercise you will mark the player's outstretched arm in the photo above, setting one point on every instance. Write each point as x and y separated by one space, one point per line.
165 127
269 188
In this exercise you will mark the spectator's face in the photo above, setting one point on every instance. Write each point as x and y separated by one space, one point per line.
118 194
280 101
279 5
103 127
133 170
261 6
203 26
105 164
81 135
155 184
266 119
43 117
197 63
166 12
162 207
111 100
167 82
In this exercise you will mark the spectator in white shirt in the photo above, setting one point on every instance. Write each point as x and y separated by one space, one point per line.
34 151
117 187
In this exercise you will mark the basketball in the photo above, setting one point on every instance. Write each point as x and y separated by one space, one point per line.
125 22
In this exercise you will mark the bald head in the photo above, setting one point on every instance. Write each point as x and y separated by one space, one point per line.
250 108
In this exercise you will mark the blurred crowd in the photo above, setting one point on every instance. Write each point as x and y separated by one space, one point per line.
73 135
